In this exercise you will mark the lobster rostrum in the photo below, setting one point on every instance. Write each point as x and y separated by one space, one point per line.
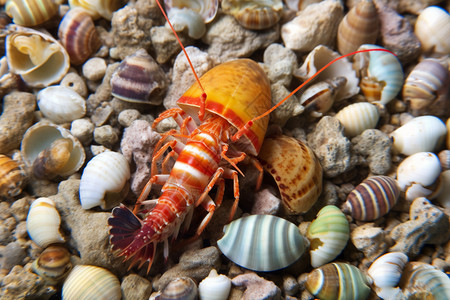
222 120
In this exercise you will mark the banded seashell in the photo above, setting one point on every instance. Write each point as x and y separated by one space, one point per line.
61 104
214 287
30 12
444 159
359 26
254 14
140 79
372 198
421 134
103 181
387 269
442 192
12 177
432 28
328 235
262 242
187 19
98 8
53 264
78 35
207 9
180 288
447 124
43 222
37 57
338 281
91 282
358 117
381 74
296 170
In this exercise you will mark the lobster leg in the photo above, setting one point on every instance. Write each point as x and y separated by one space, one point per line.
186 123
233 174
174 144
157 179
165 164
210 185
260 169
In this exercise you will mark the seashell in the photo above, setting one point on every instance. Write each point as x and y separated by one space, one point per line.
321 56
43 222
447 124
444 159
421 134
262 242
254 15
442 192
358 117
359 26
61 104
78 35
328 235
37 57
296 171
338 281
183 288
432 28
53 264
37 144
214 287
319 97
417 173
381 74
103 181
207 9
423 281
12 177
425 85
184 18
30 12
372 198
298 5
140 79
91 282
387 269
98 8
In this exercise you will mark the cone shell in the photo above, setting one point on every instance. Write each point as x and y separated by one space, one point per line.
432 28
373 198
328 235
214 287
387 269
207 9
338 281
359 26
98 8
78 35
180 288
12 177
30 12
358 117
254 15
139 79
296 171
91 282
262 242
43 222
53 264
103 180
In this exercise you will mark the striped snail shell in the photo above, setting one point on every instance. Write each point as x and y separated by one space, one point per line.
214 287
91 282
183 288
30 12
12 177
254 14
328 235
387 269
358 117
262 242
53 264
372 199
98 8
432 28
338 281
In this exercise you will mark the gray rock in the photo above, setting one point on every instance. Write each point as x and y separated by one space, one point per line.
369 239
13 254
135 287
256 287
375 146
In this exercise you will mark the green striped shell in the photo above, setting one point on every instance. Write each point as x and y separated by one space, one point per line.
262 242
338 281
328 235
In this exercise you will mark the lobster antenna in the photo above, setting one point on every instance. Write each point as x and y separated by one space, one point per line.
202 107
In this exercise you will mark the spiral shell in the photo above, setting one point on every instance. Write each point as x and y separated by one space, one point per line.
373 198
328 235
12 177
387 269
254 14
432 28
31 12
61 104
78 35
98 8
183 288
358 117
207 9
442 192
381 74
53 264
338 281
186 19
140 79
214 287
359 26
296 170
444 159
37 57
43 222
262 242
91 282
104 179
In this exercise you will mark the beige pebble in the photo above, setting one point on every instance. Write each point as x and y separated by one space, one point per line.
83 130
75 82
126 117
94 69
105 135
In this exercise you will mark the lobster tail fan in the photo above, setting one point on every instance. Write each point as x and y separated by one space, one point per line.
124 226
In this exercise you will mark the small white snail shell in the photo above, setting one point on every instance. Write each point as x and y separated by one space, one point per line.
387 269
358 117
214 287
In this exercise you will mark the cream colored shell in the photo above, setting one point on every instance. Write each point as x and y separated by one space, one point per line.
358 117
61 104
432 28
98 8
214 287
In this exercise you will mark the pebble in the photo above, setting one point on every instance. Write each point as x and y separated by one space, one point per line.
83 130
265 203
11 255
290 285
128 116
370 240
135 287
75 82
94 68
19 209
105 135
375 146
256 287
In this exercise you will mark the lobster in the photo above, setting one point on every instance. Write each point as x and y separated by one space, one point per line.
232 110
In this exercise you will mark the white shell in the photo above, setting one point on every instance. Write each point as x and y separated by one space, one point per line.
214 287
103 179
207 9
182 18
61 104
91 282
421 134
417 173
358 117
432 28
98 8
387 269
43 222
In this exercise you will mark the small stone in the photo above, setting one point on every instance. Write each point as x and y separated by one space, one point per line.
83 130
5 234
290 285
265 203
376 147
369 239
165 43
101 115
94 68
21 230
105 135
13 254
75 82
256 287
128 116
19 209
135 287
281 63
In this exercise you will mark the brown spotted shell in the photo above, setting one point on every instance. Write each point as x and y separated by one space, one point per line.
296 171
254 14
12 177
